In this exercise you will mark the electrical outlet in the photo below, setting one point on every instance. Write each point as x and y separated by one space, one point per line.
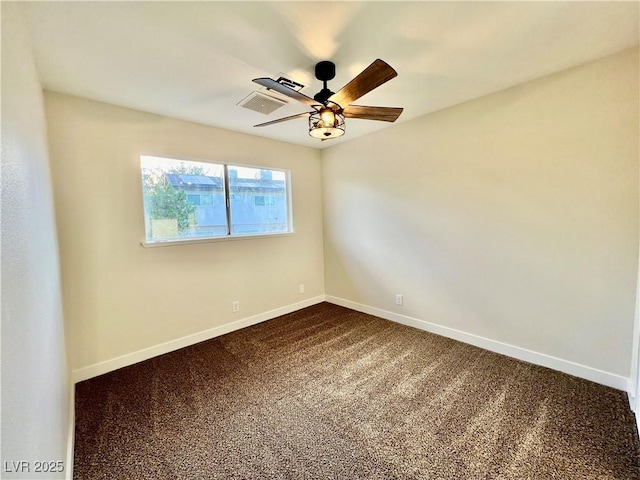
301 288
235 306
399 299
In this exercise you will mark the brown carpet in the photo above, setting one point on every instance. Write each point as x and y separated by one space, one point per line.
329 393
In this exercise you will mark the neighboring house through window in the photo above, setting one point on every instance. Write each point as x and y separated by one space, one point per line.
195 200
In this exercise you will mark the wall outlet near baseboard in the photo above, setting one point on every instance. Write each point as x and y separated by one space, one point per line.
235 306
301 288
399 299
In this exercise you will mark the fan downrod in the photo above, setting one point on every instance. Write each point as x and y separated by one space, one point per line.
325 71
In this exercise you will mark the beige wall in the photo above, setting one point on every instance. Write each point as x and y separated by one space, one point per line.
121 297
35 379
513 217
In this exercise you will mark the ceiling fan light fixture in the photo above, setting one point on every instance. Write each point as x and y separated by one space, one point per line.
326 121
326 124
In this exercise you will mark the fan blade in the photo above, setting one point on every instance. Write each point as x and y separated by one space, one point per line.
385 114
371 77
289 92
285 119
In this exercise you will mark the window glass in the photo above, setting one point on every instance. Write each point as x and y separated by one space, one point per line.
172 192
188 200
259 200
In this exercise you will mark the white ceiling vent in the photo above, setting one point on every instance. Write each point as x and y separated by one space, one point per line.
259 102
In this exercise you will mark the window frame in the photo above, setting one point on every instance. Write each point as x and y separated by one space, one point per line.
229 236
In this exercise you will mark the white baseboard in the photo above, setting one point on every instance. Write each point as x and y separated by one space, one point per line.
633 404
145 354
554 363
566 366
71 432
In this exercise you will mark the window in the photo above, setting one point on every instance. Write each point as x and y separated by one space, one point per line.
261 200
185 200
193 199
198 199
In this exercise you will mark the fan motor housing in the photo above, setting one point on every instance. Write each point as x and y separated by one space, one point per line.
323 95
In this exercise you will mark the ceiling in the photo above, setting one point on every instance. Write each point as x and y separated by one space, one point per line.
195 60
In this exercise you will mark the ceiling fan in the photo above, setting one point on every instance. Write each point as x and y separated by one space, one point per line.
326 120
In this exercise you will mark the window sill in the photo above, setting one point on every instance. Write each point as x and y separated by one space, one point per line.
226 238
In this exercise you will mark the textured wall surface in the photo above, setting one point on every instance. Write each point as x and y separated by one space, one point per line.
513 217
35 385
121 297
